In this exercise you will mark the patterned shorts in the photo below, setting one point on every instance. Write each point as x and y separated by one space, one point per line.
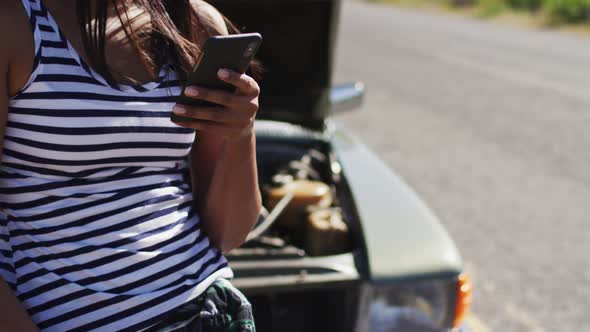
221 308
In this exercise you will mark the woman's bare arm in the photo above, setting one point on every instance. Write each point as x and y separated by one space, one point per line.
13 316
225 178
226 190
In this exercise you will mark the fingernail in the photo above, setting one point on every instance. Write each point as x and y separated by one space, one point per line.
223 73
179 110
191 92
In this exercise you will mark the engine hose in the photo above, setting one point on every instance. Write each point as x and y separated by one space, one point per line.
262 227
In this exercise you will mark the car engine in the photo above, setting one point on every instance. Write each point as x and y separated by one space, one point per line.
302 212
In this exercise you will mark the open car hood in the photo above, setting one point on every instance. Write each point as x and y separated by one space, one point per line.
297 54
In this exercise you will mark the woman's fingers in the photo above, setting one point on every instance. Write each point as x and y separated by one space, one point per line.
222 98
234 117
245 84
246 87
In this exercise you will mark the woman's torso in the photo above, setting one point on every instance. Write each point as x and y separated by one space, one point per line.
97 211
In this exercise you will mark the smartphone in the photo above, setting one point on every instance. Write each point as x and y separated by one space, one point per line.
234 52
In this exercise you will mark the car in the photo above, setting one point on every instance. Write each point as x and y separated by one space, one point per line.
343 244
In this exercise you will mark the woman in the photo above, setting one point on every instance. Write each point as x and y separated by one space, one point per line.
98 226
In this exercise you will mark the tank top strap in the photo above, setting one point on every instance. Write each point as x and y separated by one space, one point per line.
44 26
31 6
45 30
51 45
36 13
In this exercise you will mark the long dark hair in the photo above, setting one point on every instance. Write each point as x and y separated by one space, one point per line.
173 35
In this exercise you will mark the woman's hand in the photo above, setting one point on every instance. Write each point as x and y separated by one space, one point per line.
234 118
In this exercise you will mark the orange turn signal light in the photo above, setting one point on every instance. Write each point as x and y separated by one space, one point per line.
464 298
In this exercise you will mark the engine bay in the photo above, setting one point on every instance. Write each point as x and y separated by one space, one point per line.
302 213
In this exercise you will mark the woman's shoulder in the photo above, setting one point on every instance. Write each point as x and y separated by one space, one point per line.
13 20
16 40
210 16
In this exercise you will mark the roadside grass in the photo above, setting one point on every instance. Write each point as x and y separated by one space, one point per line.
491 8
566 15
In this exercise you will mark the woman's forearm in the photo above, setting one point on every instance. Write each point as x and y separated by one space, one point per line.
231 205
223 158
13 317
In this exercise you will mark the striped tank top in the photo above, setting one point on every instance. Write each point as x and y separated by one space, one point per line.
97 230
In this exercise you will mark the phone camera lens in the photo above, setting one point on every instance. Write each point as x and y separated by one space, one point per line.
249 51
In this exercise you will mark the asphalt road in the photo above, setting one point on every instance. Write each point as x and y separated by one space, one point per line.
491 126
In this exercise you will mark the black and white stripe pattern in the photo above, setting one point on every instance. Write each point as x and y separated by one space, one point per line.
97 230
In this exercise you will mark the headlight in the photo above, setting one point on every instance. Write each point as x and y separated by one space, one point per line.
424 306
